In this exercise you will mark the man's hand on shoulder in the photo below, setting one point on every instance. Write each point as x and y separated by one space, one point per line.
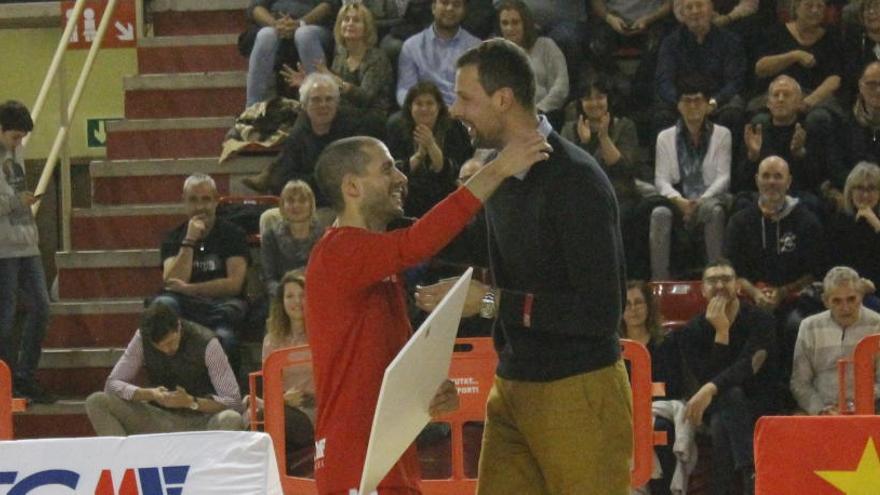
429 296
521 153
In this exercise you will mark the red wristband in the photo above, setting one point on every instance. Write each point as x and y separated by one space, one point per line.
527 310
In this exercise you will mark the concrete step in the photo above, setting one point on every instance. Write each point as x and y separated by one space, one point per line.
201 53
166 138
98 323
179 17
85 275
197 94
161 181
124 227
65 418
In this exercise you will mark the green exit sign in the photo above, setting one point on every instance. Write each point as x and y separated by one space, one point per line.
96 132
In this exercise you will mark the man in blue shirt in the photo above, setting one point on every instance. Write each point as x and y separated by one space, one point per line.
431 54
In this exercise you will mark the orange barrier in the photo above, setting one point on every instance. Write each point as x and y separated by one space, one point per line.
273 411
8 405
862 361
473 371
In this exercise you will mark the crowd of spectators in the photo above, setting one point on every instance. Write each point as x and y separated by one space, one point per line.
749 131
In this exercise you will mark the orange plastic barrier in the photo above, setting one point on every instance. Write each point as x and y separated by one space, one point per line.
817 455
273 411
8 405
473 371
862 361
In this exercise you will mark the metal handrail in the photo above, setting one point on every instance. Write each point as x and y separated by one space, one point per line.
68 113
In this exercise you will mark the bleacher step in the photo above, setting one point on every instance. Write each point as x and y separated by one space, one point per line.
198 16
98 323
184 95
124 226
198 53
84 275
166 138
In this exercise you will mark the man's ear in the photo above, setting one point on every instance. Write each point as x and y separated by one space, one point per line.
351 186
503 98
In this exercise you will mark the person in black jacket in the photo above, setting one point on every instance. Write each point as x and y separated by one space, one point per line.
559 417
725 361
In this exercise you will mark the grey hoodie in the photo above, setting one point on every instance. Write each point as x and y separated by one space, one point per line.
18 230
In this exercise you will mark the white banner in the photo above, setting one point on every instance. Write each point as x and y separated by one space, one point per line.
194 463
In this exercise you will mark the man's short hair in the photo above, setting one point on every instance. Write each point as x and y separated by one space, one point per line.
198 179
314 79
502 64
14 116
719 263
158 320
788 79
693 83
841 275
341 157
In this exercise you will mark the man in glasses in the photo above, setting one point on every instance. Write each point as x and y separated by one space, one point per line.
724 366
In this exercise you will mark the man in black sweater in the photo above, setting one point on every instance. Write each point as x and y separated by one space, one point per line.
725 358
559 417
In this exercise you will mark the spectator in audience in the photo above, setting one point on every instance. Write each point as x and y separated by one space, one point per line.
285 244
641 323
828 336
783 135
613 141
861 47
809 53
307 22
516 24
430 146
563 21
361 69
190 385
204 262
725 359
700 47
285 327
855 232
692 170
320 124
431 54
634 23
22 281
775 245
861 134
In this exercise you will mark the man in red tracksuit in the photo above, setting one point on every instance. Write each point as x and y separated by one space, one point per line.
355 308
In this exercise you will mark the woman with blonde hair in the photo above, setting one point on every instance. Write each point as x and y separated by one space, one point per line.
360 68
287 241
285 327
854 234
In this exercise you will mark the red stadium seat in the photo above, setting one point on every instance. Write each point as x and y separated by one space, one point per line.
679 301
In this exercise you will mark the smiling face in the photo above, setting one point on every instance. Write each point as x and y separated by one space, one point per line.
448 14
693 108
512 28
322 105
382 187
697 15
784 100
773 179
353 26
294 301
425 109
871 16
594 105
476 109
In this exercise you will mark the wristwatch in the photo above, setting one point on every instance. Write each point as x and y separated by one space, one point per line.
488 309
195 404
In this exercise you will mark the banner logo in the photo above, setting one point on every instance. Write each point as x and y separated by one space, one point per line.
168 480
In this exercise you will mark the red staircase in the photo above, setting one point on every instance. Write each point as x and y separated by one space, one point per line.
177 110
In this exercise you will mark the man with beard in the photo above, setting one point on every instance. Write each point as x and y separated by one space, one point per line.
559 416
724 363
431 54
775 245
356 310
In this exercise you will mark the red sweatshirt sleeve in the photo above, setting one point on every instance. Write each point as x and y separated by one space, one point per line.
376 256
